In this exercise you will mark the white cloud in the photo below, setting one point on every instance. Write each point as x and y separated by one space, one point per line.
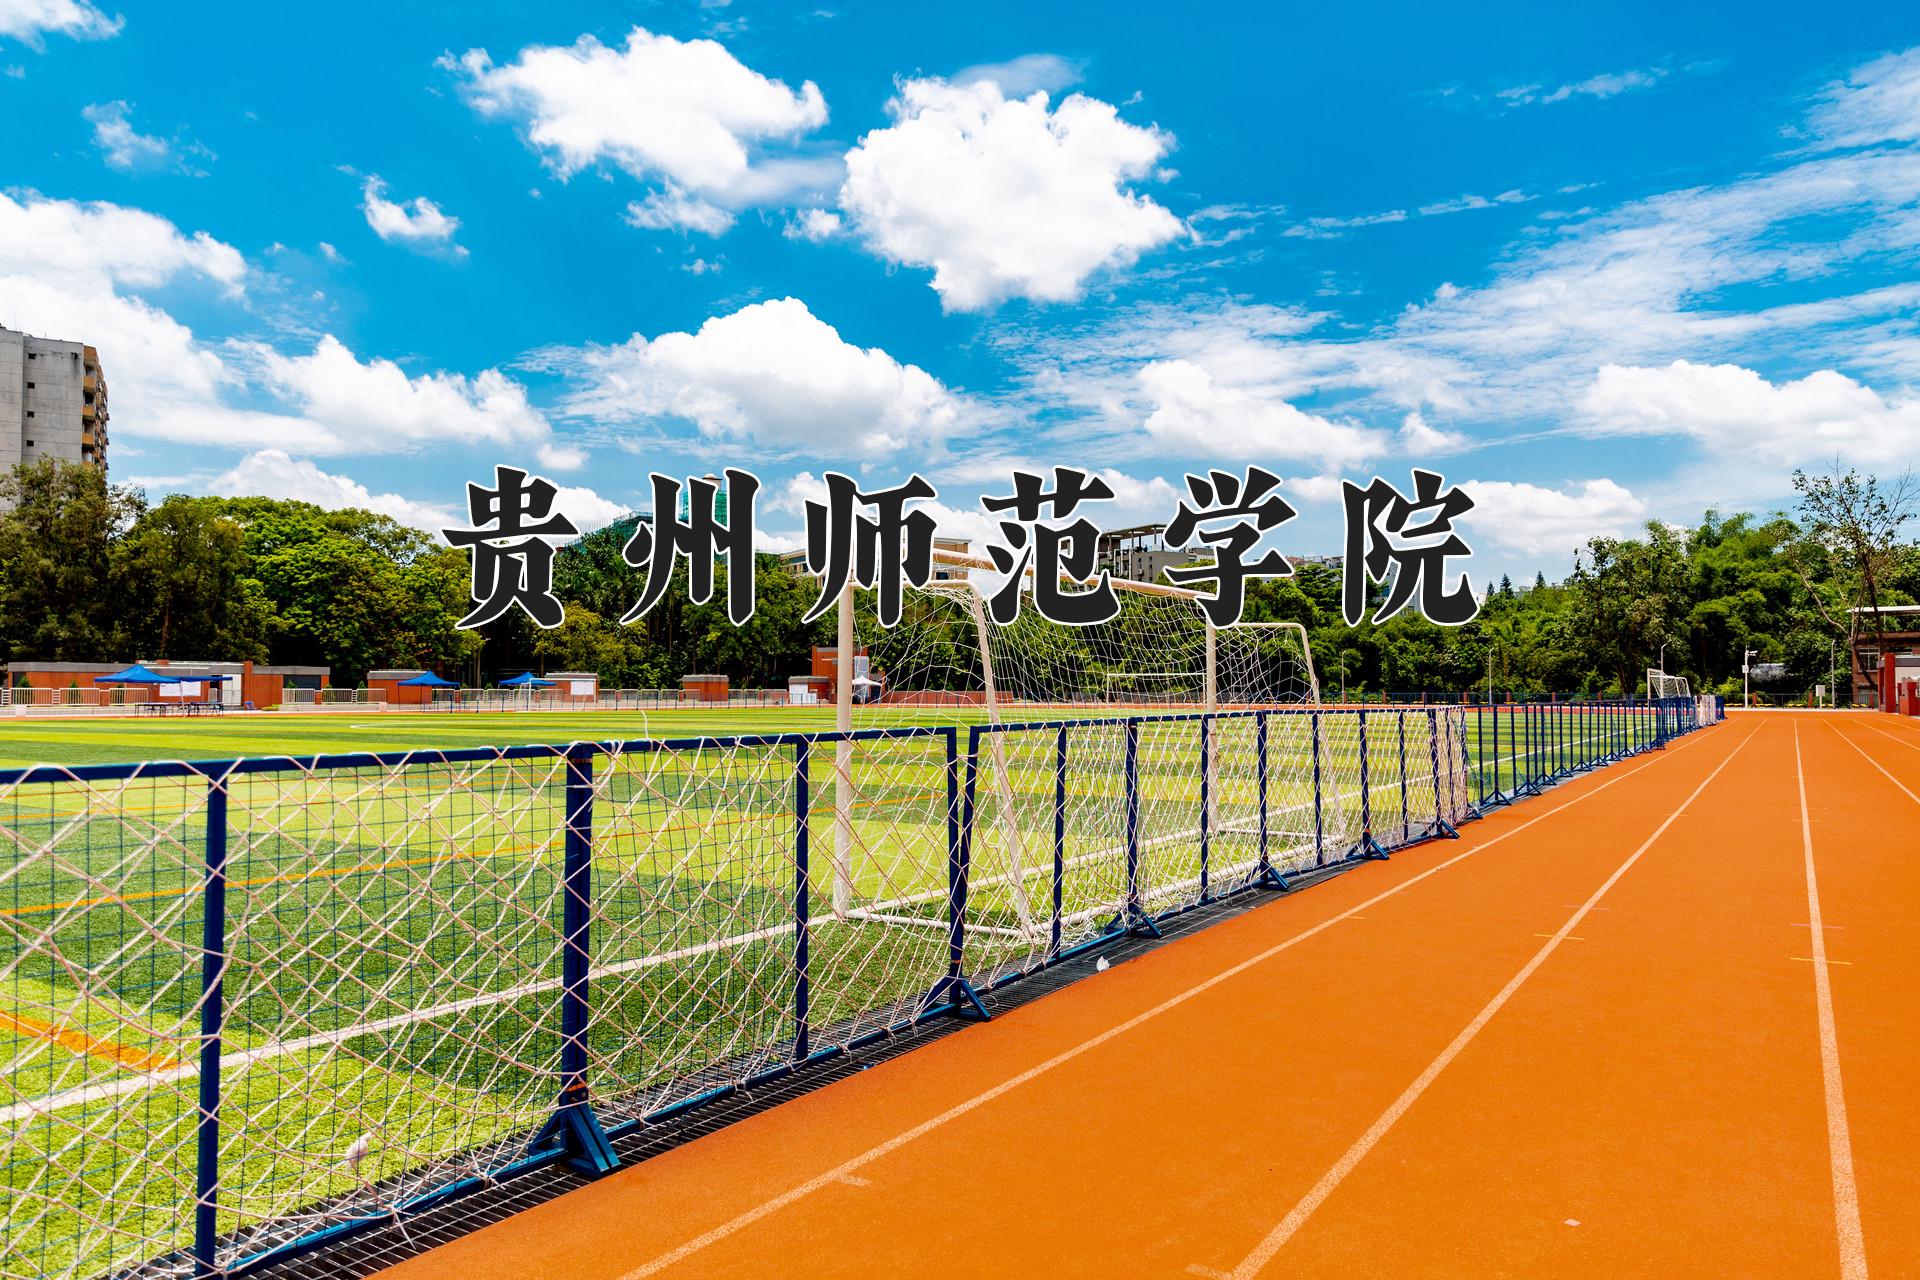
1327 227
1005 198
686 114
771 373
1420 440
587 509
1877 102
812 224
1195 415
28 20
666 210
120 144
272 473
1313 488
107 244
375 407
418 222
73 271
1028 73
1543 522
1606 85
1735 412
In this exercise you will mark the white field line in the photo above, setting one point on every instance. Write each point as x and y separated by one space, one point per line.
1875 763
1846 1192
282 1048
839 1173
1271 1244
1904 739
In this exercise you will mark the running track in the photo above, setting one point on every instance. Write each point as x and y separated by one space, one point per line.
1664 1020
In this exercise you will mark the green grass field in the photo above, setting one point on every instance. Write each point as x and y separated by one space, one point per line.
394 933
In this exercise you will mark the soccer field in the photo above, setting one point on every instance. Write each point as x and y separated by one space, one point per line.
120 740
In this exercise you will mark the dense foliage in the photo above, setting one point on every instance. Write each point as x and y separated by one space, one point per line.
90 572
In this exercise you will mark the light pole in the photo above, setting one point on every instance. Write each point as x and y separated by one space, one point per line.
1746 681
1833 675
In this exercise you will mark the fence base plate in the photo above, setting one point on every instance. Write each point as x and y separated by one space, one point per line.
576 1130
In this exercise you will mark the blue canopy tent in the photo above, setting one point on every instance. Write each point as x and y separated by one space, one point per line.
526 680
431 681
136 674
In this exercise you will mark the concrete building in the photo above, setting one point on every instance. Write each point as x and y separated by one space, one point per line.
1141 553
53 402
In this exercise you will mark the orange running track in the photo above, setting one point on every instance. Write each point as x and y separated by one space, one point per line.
1662 1021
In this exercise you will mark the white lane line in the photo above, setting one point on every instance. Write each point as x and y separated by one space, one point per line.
834 1175
1875 763
1904 738
1846 1195
1264 1252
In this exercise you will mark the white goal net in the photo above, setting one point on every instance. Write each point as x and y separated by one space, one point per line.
1248 788
1661 686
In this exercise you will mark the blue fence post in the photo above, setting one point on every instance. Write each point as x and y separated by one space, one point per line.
1264 872
1368 846
802 890
1206 768
1441 827
213 964
1260 782
574 1127
1469 806
1492 796
1059 835
1494 757
1406 818
1319 821
954 990
1134 914
1530 727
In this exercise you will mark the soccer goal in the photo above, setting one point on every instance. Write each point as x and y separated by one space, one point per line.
946 662
1661 686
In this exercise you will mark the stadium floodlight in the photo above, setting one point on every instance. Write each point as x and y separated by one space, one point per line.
1746 678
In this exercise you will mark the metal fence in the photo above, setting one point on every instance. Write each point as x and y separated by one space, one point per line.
251 1007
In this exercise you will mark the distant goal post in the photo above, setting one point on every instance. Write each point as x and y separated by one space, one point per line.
947 661
1661 686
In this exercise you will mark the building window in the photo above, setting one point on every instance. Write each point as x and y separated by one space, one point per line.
29 386
29 413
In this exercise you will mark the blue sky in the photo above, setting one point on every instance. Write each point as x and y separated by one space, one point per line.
1601 265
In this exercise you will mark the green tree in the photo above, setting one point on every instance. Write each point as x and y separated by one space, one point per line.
57 598
183 575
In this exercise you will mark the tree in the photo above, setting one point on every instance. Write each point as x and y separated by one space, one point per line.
352 590
57 598
1859 520
183 575
1628 597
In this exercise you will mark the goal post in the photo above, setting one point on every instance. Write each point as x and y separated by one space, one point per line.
1661 686
945 662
